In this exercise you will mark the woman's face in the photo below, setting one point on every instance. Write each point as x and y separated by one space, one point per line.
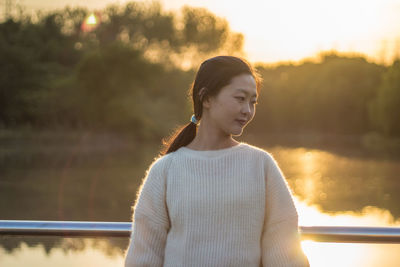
234 106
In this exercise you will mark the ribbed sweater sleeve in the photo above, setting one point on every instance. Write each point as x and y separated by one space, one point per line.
280 239
150 220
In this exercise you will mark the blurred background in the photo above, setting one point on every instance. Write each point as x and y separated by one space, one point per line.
88 90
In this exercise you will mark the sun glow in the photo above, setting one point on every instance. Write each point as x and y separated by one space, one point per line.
305 27
323 180
318 253
347 254
91 22
85 253
293 30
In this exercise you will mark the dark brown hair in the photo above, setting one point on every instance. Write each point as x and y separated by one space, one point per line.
213 74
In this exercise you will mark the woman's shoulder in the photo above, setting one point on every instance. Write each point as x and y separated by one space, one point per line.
261 152
262 155
161 161
159 165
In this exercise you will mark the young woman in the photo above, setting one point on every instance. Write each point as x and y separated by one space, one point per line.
210 200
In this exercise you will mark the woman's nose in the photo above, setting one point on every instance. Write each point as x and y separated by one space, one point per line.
246 109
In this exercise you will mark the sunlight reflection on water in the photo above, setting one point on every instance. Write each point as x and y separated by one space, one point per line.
331 190
338 190
37 257
319 253
348 254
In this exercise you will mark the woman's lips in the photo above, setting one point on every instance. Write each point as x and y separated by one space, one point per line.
241 122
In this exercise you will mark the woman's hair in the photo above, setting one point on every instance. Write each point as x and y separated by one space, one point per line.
213 74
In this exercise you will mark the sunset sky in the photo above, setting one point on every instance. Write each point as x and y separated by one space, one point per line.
290 30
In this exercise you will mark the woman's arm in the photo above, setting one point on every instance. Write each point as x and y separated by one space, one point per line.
280 240
150 221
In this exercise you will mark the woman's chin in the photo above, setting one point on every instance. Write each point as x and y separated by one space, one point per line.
237 132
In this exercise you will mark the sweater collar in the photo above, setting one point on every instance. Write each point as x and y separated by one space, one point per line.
211 153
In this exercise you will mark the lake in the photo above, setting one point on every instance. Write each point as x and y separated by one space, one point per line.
92 177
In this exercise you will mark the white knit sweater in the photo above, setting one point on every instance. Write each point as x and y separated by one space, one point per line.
227 207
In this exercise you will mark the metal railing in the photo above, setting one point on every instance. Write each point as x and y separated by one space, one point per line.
342 234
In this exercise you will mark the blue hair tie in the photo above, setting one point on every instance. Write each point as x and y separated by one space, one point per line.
193 119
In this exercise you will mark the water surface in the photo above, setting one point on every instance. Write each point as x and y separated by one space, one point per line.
96 178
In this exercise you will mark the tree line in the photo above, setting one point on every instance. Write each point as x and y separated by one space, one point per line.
132 70
339 94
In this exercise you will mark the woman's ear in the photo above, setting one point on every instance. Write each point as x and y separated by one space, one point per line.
203 98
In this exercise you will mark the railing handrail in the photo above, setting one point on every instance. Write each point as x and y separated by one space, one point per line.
65 228
343 234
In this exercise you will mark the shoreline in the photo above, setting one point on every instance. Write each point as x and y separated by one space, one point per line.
367 145
371 145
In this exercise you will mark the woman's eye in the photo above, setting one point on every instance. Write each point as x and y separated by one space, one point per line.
241 98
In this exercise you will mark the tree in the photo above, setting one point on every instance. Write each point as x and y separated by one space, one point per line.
180 39
330 96
119 90
385 108
53 73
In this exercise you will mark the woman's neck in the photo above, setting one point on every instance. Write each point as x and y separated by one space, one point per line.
209 141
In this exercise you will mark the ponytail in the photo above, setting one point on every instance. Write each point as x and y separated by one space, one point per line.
181 137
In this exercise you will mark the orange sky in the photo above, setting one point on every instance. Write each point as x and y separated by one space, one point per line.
290 30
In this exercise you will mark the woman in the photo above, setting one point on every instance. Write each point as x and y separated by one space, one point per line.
210 200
